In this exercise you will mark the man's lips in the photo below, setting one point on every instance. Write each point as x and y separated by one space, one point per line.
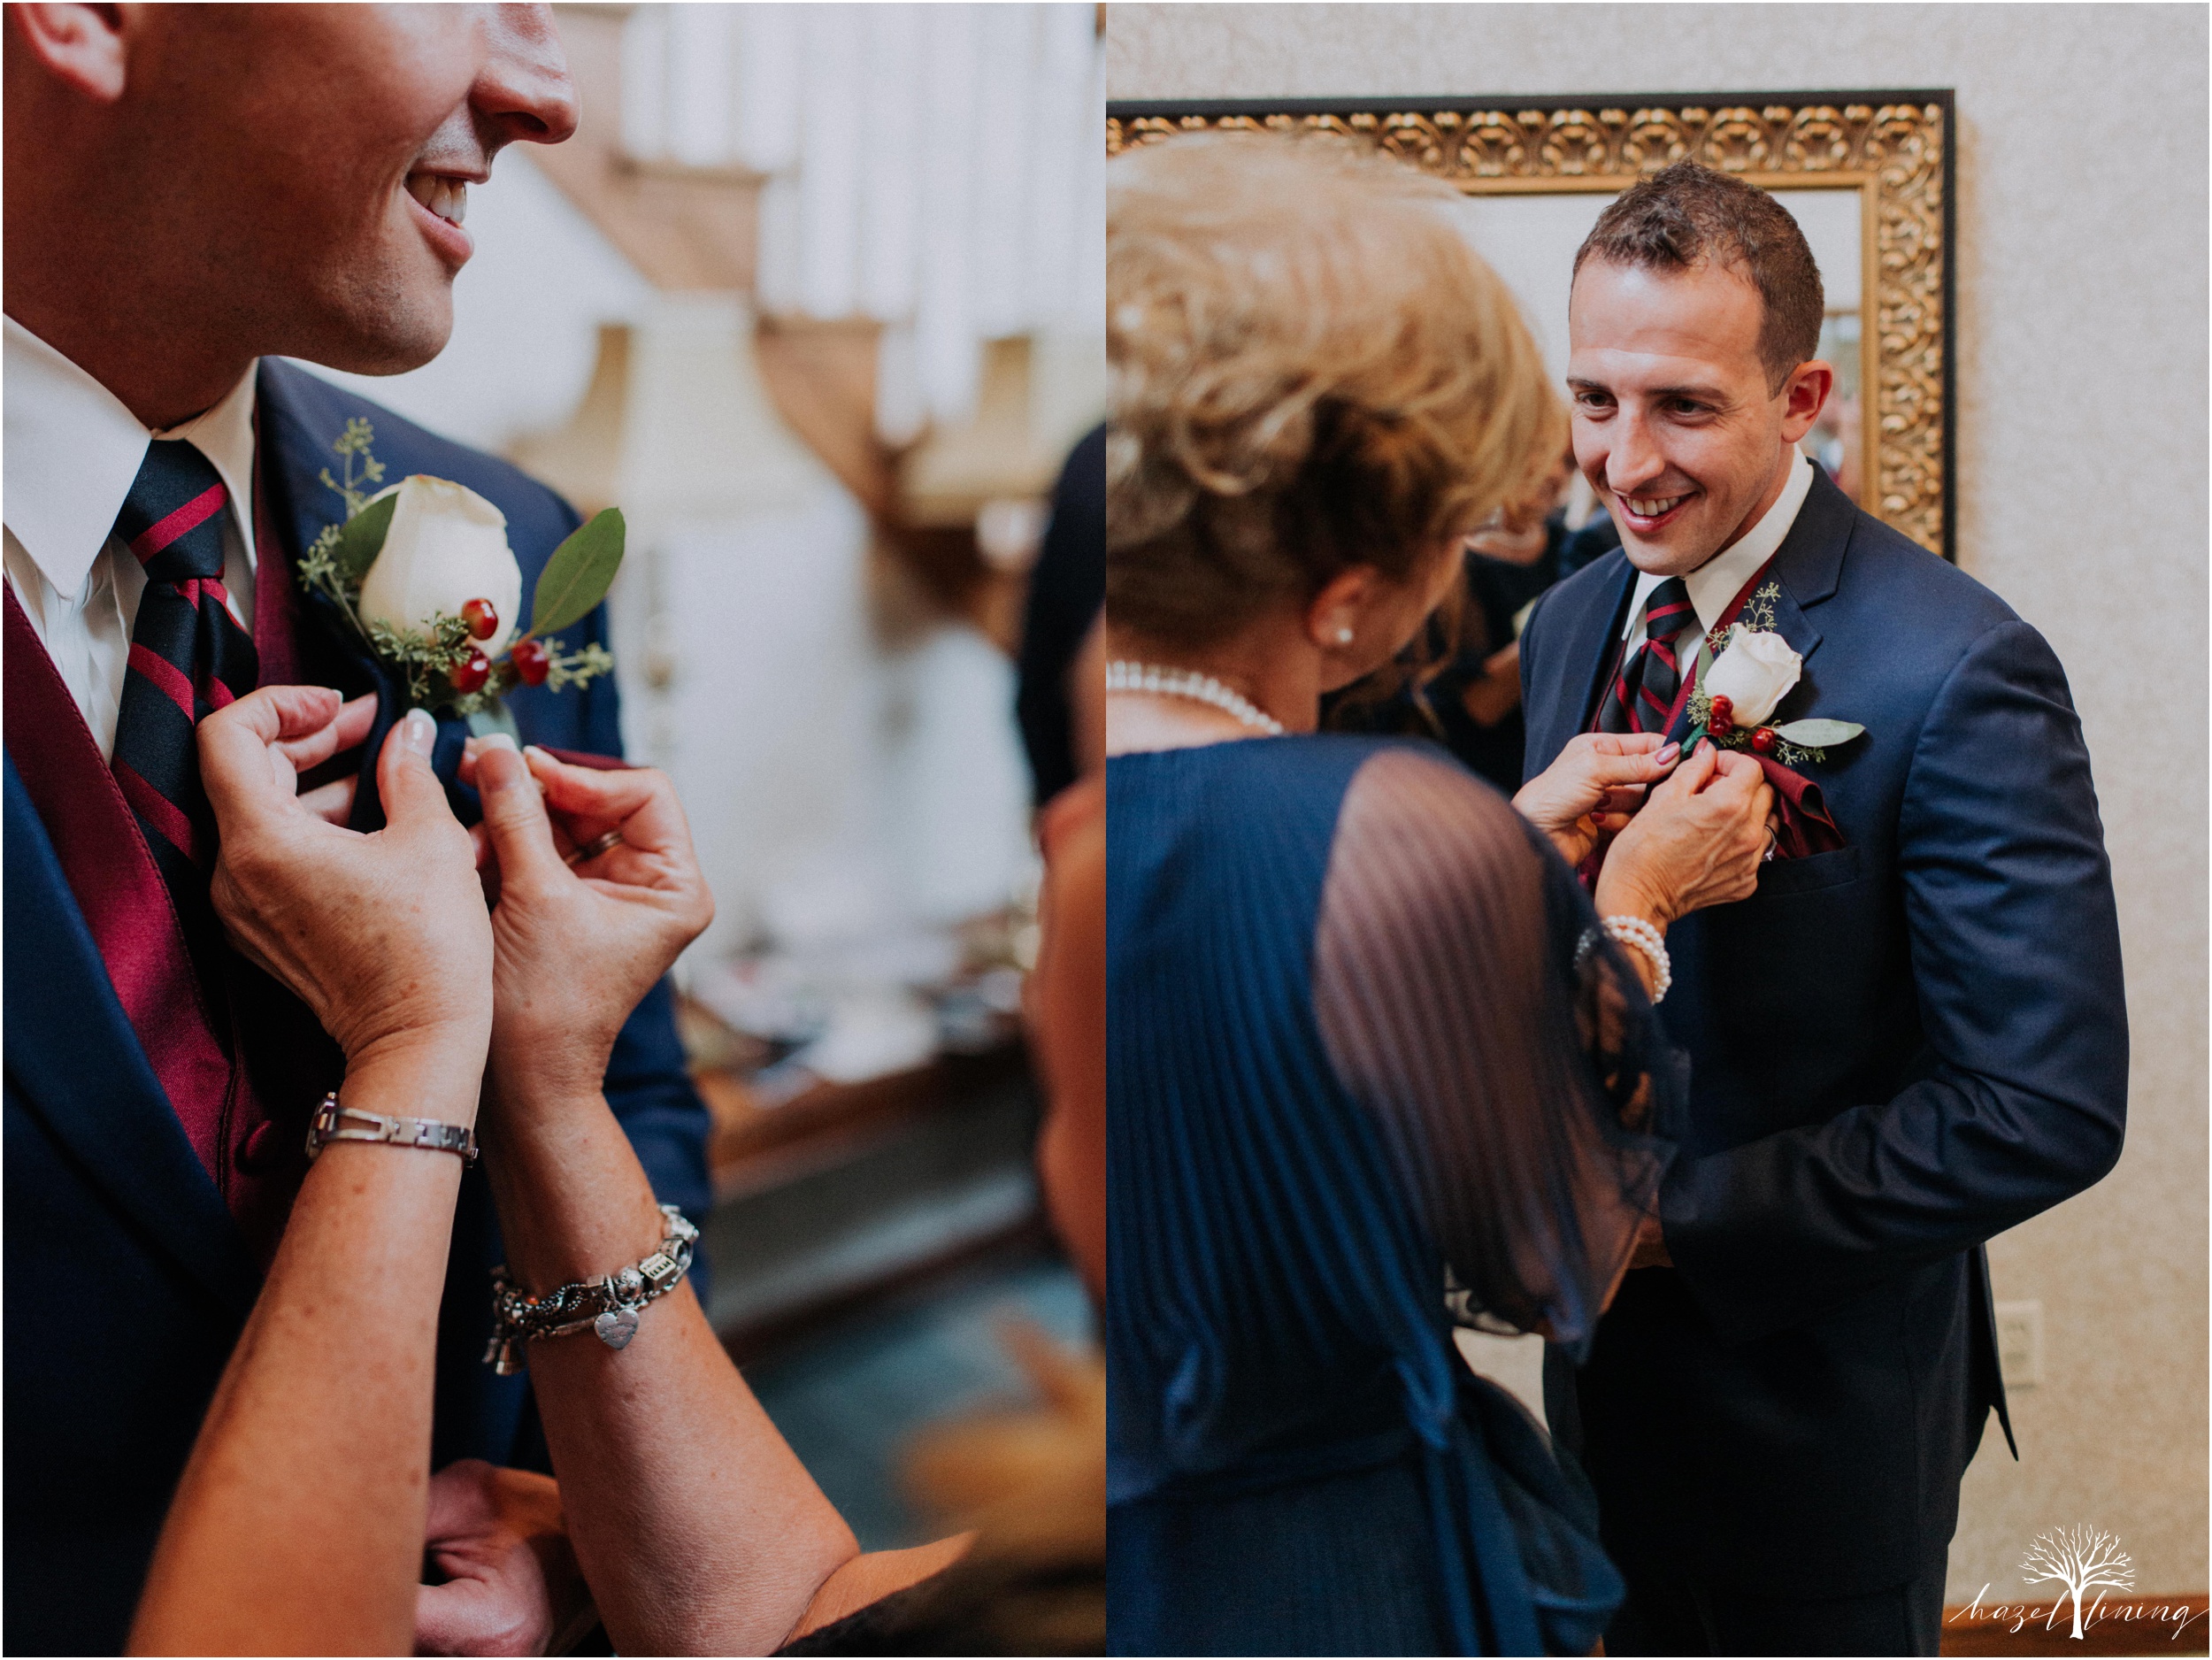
1645 514
440 203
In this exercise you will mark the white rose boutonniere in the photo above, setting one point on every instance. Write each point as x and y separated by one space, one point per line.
1754 674
444 550
1744 673
423 572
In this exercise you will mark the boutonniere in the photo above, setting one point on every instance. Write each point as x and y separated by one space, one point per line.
1744 671
422 571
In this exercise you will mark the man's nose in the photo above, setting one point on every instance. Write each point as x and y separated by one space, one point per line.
1634 460
523 93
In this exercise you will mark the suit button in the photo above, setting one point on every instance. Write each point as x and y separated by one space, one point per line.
262 1149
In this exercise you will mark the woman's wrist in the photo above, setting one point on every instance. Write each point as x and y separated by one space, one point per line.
428 1073
1618 894
546 1079
573 1202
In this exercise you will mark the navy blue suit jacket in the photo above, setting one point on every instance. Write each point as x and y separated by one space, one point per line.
1898 1049
126 1278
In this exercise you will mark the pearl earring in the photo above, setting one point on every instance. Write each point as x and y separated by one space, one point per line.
1344 636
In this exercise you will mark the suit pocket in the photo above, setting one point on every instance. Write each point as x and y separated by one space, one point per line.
1833 869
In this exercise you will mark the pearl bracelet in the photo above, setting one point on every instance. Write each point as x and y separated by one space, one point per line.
1634 930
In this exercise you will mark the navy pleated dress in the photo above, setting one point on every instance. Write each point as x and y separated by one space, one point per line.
1363 1084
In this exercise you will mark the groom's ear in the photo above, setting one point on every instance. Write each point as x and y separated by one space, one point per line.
80 46
1806 393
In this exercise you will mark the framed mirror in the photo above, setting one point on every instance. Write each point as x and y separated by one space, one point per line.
1867 174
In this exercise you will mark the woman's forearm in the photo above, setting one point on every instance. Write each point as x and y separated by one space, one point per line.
697 1527
297 1525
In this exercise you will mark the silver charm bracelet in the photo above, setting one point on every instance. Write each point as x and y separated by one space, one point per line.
607 1306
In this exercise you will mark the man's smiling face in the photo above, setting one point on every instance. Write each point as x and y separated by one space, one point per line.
345 139
1674 423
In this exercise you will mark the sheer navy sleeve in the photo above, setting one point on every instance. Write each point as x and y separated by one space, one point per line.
1520 1078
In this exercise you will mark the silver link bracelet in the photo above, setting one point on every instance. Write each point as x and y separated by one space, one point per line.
607 1306
335 1123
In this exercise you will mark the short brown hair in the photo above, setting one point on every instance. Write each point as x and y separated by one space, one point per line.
1685 215
1311 370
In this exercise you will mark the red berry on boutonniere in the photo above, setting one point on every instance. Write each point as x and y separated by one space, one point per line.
530 662
482 617
1764 740
469 674
1723 717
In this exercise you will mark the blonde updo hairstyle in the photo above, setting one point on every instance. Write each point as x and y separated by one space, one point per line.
1311 370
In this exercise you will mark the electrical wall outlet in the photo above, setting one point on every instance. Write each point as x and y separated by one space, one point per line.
2020 1343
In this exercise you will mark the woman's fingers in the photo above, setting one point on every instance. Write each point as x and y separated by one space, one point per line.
243 764
474 748
410 792
515 819
656 856
1733 764
1624 798
609 793
638 800
1639 768
332 803
1692 776
348 725
1627 742
1741 782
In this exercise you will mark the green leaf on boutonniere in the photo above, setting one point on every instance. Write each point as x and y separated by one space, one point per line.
1818 734
578 575
362 538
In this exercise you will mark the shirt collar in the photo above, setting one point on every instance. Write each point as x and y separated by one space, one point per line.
72 451
1714 585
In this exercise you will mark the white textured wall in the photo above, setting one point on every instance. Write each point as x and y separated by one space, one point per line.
2081 352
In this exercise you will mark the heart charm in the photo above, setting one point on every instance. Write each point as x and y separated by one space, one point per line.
615 1328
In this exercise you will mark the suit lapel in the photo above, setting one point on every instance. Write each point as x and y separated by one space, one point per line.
73 1059
1804 571
1587 650
1807 567
292 509
291 460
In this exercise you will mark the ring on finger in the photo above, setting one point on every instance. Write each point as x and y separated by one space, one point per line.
1773 842
607 843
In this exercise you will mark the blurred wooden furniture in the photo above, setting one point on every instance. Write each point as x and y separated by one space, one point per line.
839 1196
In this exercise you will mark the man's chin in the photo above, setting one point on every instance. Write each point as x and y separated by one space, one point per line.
1666 558
388 336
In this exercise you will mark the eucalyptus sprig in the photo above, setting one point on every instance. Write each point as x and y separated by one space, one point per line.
355 441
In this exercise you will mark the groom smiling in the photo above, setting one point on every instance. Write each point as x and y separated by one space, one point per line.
190 192
1910 1039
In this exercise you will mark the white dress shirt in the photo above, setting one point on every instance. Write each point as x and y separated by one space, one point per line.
1714 585
71 453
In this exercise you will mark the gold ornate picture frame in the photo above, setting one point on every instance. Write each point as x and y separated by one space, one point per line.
1894 148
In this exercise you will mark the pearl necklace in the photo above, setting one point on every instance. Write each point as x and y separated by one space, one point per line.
1201 688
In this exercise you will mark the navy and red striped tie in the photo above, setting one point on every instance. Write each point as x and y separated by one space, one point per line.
189 657
1644 687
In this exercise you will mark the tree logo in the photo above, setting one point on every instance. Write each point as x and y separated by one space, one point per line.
2082 1559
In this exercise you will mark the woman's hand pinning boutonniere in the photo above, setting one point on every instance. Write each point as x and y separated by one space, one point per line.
423 572
1744 671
